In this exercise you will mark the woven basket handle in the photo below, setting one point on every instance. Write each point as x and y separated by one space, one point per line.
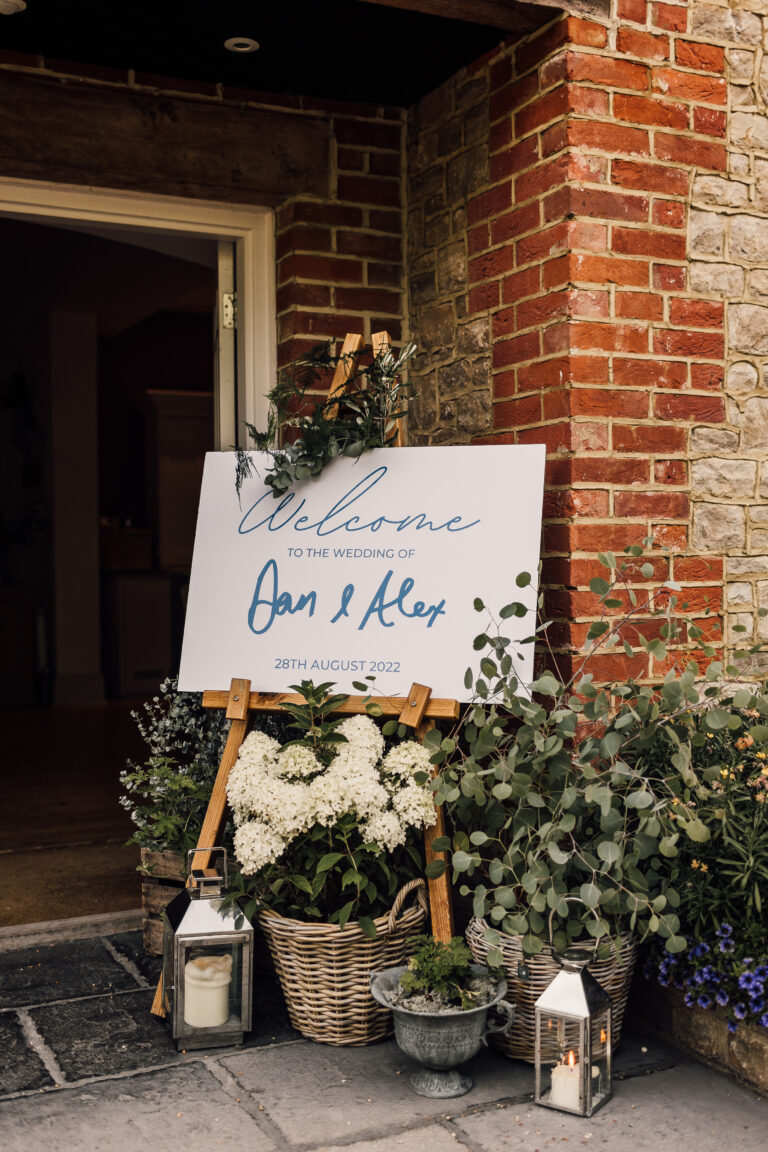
419 887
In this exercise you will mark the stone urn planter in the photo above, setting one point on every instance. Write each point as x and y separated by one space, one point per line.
441 1041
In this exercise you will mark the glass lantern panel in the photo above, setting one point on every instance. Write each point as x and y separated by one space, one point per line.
211 986
600 1034
560 1061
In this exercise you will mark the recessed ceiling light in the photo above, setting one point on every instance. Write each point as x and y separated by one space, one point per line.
238 43
8 7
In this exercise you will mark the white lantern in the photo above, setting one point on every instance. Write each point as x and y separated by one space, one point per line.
207 961
573 1038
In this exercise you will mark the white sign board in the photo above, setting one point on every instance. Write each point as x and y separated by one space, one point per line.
371 569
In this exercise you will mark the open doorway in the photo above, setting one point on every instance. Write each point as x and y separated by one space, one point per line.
107 407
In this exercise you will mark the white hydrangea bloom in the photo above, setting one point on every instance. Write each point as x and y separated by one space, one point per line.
257 845
415 806
364 736
298 761
405 759
384 829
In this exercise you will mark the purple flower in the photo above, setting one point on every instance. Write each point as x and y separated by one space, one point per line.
756 1004
700 949
732 1025
724 930
688 1000
764 1020
704 1001
740 1010
726 945
722 997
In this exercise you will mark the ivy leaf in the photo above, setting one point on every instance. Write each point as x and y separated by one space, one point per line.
434 869
368 927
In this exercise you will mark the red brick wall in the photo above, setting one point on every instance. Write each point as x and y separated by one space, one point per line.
577 254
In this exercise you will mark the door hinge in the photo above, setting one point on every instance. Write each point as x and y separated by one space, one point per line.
229 310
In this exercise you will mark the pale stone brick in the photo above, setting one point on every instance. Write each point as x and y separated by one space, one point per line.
714 476
742 379
710 23
747 565
739 595
748 327
475 413
738 621
749 129
714 440
743 97
764 481
707 234
718 527
758 514
724 279
718 190
761 184
754 425
738 164
759 539
748 238
757 284
742 66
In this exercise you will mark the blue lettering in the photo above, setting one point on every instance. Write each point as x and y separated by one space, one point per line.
379 605
267 595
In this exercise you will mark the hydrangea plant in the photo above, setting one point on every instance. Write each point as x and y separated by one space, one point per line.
327 825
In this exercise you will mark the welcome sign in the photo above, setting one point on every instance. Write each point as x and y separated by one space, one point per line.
371 569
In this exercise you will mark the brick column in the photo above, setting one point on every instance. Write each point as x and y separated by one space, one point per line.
578 257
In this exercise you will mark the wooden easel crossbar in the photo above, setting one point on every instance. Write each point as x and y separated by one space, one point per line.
418 711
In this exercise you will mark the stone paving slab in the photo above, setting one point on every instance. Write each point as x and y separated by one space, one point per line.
183 1109
104 1035
434 1138
20 1067
351 1093
688 1107
130 945
60 972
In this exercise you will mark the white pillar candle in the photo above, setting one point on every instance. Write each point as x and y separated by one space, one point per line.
206 991
565 1086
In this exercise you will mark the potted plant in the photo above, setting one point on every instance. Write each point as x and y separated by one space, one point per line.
558 805
328 838
441 1003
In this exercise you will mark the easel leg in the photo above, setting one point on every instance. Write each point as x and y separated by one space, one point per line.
440 900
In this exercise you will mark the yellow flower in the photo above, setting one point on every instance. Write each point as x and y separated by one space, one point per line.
761 755
704 867
764 770
710 736
675 799
694 864
724 773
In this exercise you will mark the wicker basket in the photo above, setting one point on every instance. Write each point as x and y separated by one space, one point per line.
613 974
324 969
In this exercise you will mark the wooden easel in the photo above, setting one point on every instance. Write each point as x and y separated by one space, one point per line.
418 710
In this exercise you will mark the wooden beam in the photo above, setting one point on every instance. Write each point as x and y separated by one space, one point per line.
506 15
391 706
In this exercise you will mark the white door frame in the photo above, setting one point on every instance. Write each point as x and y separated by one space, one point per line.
250 227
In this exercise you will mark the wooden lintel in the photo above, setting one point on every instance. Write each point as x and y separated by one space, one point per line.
438 708
506 15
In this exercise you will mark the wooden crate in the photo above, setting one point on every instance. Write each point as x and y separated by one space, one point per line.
162 879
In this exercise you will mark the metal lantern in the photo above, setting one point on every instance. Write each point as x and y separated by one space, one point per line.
207 961
573 1038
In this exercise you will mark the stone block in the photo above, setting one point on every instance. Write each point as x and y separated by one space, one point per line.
764 480
754 427
748 327
762 81
452 269
475 413
757 284
718 527
738 165
739 595
742 380
474 337
707 234
758 515
724 279
717 190
748 239
749 130
434 327
761 184
21 1069
422 287
481 373
745 97
422 405
759 539
740 627
747 565
742 66
728 479
476 122
748 1055
737 28
467 172
449 137
714 440
453 380
437 230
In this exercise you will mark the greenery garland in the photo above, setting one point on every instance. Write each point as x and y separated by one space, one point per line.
364 417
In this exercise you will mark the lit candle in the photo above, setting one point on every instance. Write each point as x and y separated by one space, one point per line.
564 1092
206 991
